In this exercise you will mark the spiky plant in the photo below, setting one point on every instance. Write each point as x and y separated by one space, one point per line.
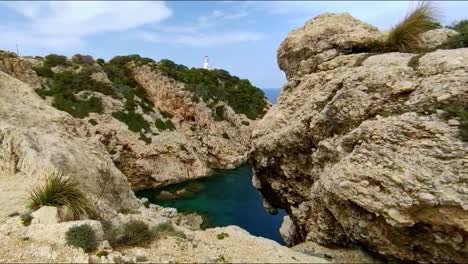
405 37
59 190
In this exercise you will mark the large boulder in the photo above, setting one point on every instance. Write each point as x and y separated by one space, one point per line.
436 37
288 231
321 39
46 215
56 233
361 150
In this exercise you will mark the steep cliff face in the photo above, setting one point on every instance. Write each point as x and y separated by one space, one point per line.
156 130
36 138
367 149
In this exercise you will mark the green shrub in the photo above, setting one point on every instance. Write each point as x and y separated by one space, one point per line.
164 125
166 114
144 138
222 235
221 259
218 113
217 85
245 123
26 219
78 108
170 125
122 60
102 253
436 25
65 85
128 211
460 40
92 122
53 60
44 71
82 236
125 84
134 121
132 233
59 190
460 26
166 229
225 135
405 37
100 61
460 112
108 230
83 59
71 82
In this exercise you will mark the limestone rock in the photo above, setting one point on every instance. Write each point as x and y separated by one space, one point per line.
36 138
337 254
191 221
192 148
436 37
46 215
55 233
20 68
104 245
288 231
357 153
321 39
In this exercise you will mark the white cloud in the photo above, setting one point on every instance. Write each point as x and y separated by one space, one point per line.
379 13
201 32
59 24
382 14
201 39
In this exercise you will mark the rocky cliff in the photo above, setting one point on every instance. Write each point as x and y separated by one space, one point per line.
367 149
36 138
158 127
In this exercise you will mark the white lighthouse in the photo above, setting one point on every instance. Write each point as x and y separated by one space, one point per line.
206 64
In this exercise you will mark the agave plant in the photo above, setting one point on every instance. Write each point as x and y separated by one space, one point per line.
405 37
59 190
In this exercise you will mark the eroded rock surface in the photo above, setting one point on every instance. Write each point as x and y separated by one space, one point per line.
183 139
36 138
436 37
359 149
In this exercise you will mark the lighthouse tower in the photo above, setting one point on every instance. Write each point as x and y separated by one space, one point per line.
206 65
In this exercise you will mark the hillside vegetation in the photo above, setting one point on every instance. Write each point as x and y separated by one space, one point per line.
211 86
218 85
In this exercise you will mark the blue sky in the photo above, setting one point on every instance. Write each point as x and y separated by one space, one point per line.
239 36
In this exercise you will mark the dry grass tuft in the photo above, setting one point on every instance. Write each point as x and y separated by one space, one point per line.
59 190
405 37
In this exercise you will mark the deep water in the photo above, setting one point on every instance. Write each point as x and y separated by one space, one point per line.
225 198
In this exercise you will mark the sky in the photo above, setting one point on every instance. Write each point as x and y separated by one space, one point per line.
241 37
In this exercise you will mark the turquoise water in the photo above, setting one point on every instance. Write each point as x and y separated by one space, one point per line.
225 198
